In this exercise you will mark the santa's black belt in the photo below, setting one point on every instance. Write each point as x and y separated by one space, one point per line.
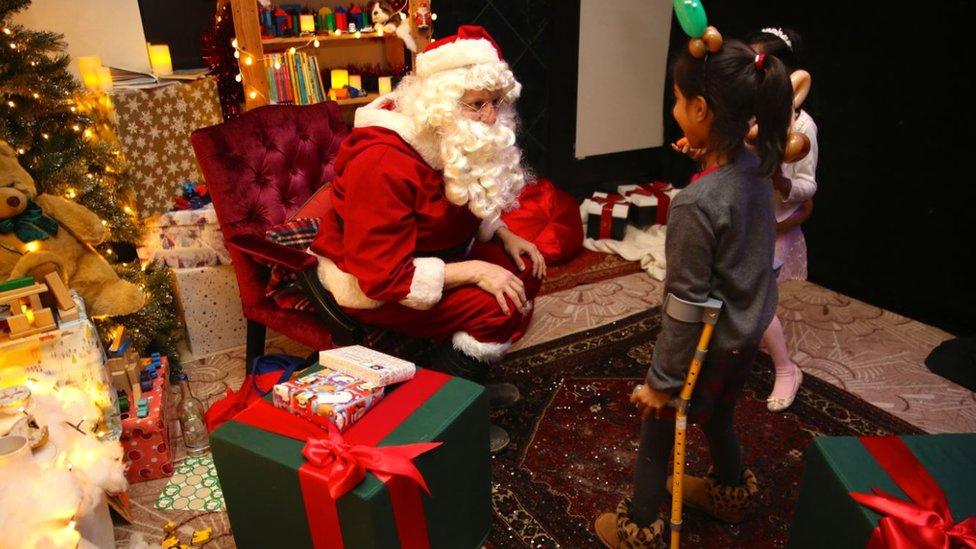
447 254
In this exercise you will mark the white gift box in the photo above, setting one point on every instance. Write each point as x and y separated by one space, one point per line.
210 303
603 221
363 363
185 238
644 205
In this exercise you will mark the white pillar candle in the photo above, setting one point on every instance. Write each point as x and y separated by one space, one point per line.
88 68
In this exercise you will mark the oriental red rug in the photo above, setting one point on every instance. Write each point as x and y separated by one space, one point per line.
574 441
586 268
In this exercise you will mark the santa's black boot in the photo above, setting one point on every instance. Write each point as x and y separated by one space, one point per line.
445 358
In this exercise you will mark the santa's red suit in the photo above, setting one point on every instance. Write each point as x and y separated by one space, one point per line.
389 230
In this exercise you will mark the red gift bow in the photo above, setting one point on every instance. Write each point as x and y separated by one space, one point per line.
336 464
606 214
655 189
924 522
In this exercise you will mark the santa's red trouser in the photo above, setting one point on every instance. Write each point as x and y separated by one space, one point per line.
468 315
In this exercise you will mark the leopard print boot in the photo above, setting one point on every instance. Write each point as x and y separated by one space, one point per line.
724 502
617 531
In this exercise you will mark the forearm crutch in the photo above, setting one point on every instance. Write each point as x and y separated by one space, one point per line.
686 311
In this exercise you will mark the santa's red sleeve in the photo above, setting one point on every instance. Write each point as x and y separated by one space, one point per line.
380 233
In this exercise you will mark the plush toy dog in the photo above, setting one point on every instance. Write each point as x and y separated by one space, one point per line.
43 233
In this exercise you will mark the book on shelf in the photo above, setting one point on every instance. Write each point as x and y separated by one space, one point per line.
297 80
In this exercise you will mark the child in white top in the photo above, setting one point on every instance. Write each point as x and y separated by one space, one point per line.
793 187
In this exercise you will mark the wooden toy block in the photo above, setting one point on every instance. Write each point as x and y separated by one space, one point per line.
18 325
67 315
60 292
16 284
44 318
35 302
117 364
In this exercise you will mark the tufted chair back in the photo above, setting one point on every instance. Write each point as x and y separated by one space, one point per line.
261 167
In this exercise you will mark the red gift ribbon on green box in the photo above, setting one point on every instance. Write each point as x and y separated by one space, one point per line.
923 522
655 189
335 463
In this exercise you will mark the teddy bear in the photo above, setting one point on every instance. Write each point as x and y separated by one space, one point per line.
43 233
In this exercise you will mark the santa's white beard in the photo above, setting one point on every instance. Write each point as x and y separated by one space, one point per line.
482 164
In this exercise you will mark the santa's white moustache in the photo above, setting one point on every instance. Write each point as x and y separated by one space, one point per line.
482 164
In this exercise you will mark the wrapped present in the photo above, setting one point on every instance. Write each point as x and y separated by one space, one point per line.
413 472
606 216
185 238
146 440
210 304
649 203
373 366
328 395
909 491
154 127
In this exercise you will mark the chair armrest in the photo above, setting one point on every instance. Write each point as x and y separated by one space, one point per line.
269 252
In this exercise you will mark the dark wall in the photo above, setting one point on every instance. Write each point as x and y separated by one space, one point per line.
179 24
891 223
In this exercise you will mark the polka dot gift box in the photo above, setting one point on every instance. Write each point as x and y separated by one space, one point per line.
145 441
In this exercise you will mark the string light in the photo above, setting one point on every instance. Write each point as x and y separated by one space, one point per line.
7 31
358 34
233 43
238 77
36 95
70 193
127 210
248 60
11 104
104 223
253 94
315 42
45 136
277 64
76 127
292 50
21 150
237 54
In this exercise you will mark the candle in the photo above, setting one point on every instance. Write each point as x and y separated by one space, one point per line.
88 67
340 78
356 81
159 59
308 23
386 84
105 79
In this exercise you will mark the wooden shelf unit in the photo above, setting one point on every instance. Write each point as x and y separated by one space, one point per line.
250 42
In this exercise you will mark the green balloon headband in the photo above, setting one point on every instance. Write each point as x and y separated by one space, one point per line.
691 16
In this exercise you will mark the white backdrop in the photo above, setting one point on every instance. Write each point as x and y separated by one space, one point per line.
623 50
110 29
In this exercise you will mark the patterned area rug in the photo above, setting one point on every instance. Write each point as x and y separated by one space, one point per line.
585 268
574 440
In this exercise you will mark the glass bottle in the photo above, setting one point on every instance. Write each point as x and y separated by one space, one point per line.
190 410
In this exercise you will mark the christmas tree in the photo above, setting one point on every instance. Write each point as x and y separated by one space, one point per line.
65 140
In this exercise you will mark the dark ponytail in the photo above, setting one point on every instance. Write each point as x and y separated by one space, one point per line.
736 88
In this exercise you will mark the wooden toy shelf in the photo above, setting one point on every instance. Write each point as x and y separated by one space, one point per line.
333 51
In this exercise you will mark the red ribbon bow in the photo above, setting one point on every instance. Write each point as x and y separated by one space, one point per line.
606 214
656 189
923 522
344 465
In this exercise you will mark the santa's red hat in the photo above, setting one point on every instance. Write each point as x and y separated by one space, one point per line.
472 45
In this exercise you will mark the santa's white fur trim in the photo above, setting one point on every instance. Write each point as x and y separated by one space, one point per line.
488 228
427 285
459 53
486 352
343 286
425 143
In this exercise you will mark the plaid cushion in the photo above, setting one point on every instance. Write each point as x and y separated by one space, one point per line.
294 233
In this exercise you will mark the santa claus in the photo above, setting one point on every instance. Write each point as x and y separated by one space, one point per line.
426 172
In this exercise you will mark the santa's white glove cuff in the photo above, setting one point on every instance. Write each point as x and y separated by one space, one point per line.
427 285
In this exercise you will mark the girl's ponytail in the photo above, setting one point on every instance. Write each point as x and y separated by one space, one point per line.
774 112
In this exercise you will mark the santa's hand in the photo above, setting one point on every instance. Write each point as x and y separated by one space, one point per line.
500 282
516 246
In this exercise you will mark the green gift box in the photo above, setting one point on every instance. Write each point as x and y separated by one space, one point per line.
261 474
928 466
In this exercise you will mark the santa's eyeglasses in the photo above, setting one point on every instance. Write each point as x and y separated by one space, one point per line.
480 106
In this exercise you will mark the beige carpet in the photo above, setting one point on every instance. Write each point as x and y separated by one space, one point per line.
865 350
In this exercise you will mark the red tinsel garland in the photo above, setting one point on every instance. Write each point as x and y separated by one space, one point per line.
218 53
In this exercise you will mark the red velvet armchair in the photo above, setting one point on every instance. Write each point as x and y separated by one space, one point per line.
260 169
